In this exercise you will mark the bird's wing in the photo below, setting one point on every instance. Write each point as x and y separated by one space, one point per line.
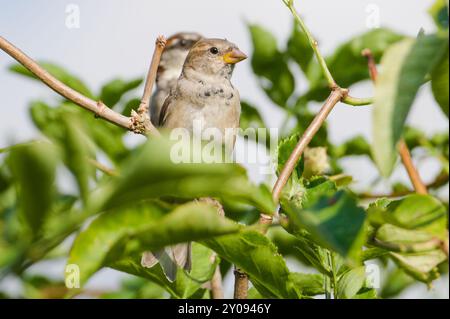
165 110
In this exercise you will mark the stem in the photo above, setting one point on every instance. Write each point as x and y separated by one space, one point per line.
413 174
333 271
96 107
336 95
314 45
151 75
355 101
240 284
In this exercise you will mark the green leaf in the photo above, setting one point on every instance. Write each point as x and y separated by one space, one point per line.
395 235
121 232
421 266
33 169
439 83
351 282
404 66
154 172
309 284
256 255
414 212
58 72
357 145
78 148
285 148
112 92
439 13
270 65
299 49
332 217
347 64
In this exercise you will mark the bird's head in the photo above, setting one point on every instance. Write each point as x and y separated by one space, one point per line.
214 57
175 52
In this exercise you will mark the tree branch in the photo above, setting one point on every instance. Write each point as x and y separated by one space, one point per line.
97 107
336 96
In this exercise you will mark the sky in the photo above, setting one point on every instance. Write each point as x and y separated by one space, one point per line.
115 38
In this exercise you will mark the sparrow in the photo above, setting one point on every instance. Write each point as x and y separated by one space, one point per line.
169 69
202 92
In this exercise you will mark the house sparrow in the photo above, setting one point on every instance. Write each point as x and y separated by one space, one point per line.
203 92
169 69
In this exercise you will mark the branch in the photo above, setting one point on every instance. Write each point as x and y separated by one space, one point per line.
141 118
240 284
313 43
413 174
439 181
322 63
336 96
96 107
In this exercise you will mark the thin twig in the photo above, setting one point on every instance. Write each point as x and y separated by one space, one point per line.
151 75
413 174
240 284
336 95
314 45
97 107
105 169
438 182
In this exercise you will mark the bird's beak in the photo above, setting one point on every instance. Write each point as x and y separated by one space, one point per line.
234 56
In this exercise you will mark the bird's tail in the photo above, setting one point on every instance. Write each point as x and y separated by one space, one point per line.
170 258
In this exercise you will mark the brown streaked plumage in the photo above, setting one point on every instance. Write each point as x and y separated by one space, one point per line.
169 69
202 92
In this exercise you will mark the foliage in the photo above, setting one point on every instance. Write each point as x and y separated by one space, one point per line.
143 201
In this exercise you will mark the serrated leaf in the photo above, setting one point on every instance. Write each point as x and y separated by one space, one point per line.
58 72
332 217
421 266
404 66
414 212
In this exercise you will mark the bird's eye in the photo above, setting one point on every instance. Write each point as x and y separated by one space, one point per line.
214 50
183 42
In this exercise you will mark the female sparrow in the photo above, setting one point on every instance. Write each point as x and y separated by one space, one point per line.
203 92
169 69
